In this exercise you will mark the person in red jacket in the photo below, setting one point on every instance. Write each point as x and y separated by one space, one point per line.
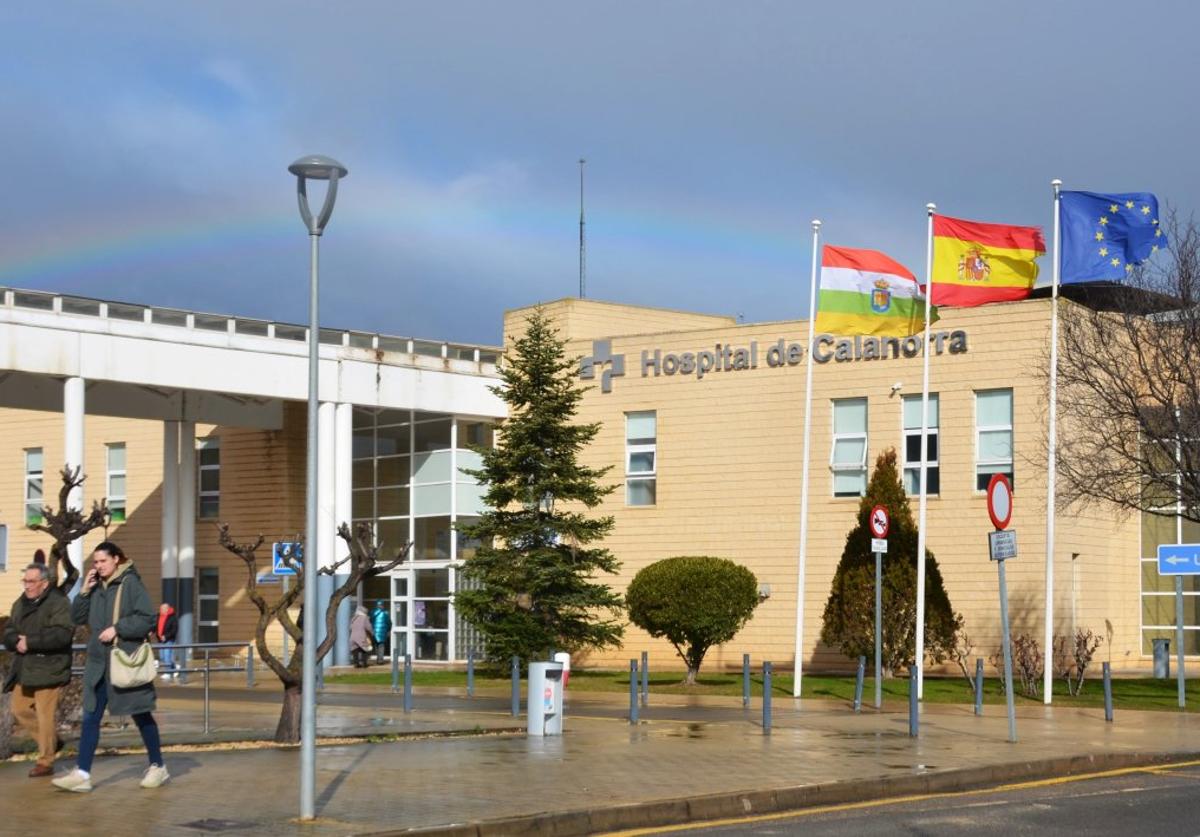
165 632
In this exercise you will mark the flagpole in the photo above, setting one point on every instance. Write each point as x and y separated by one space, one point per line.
808 377
921 487
1051 458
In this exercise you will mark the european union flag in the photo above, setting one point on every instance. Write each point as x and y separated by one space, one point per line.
1104 236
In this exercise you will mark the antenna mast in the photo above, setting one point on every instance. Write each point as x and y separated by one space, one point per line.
582 237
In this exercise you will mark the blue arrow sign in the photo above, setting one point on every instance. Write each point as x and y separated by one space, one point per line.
280 551
1179 559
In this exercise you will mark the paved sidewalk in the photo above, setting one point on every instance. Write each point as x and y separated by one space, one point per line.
689 759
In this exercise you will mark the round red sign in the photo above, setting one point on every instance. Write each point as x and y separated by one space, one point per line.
999 501
879 522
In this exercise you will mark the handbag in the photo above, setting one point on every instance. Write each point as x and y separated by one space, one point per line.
128 671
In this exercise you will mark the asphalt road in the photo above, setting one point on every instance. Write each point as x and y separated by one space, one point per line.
1152 801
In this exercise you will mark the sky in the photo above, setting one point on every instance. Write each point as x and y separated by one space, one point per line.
147 145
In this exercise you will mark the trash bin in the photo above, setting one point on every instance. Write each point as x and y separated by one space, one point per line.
1162 658
545 699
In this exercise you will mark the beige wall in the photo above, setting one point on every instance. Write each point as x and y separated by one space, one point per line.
729 477
262 491
587 319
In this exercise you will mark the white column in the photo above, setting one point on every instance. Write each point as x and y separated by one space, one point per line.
325 511
186 496
73 413
343 451
170 513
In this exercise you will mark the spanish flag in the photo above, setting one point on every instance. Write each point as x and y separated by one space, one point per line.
975 263
868 292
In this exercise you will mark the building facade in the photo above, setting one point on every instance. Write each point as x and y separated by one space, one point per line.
702 423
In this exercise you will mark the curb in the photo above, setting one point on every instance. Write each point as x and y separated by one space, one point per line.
699 809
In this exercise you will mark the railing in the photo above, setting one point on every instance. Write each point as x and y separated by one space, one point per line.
207 669
220 323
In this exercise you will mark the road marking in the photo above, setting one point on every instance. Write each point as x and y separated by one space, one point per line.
900 800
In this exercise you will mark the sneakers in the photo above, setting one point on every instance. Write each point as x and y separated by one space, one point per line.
155 776
76 781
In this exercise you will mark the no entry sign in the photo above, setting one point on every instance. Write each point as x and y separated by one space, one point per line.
999 501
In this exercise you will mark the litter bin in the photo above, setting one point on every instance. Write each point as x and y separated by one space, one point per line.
1162 658
545 699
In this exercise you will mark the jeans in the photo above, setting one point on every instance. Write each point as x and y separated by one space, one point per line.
166 658
89 736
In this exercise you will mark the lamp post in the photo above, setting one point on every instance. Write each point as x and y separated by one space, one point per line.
314 167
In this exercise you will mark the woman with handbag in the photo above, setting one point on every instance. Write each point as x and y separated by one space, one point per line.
119 674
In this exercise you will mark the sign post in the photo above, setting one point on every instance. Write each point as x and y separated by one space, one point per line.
1002 545
285 558
1179 559
880 524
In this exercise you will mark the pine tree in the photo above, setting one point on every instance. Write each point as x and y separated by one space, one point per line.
531 586
849 620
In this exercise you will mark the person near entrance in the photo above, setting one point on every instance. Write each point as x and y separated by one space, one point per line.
39 634
114 604
166 630
381 625
361 642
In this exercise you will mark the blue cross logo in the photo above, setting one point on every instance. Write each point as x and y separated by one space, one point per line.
602 356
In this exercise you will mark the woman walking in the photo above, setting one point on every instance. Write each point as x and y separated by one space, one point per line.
360 638
113 576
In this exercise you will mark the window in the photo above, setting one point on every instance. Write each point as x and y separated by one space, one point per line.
641 458
115 485
993 436
848 458
912 444
208 498
208 604
33 486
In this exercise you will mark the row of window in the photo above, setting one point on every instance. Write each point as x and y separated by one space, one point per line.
848 452
208 481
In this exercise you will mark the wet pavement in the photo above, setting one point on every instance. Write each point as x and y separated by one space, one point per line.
683 749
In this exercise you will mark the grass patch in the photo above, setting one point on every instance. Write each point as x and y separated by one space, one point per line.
1134 693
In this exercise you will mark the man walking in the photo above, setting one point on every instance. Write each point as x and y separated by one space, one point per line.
39 633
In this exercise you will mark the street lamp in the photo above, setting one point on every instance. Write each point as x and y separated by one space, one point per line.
313 167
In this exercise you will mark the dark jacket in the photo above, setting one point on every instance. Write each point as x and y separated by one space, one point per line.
48 629
133 623
170 627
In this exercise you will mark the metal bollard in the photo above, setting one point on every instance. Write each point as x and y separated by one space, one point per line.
320 676
979 685
858 684
1108 707
633 698
471 673
249 665
745 680
516 686
766 698
645 677
408 682
395 669
207 678
914 719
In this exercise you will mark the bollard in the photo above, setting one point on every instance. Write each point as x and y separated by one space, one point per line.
633 698
645 677
207 678
979 685
249 665
471 673
516 686
766 698
320 677
1108 708
914 720
395 669
745 680
408 682
858 684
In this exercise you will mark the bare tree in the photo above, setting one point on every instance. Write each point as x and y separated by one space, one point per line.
66 525
361 563
1129 386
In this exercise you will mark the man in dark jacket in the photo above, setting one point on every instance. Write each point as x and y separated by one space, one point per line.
39 633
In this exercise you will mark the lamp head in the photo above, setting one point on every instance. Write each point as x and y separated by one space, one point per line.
318 167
